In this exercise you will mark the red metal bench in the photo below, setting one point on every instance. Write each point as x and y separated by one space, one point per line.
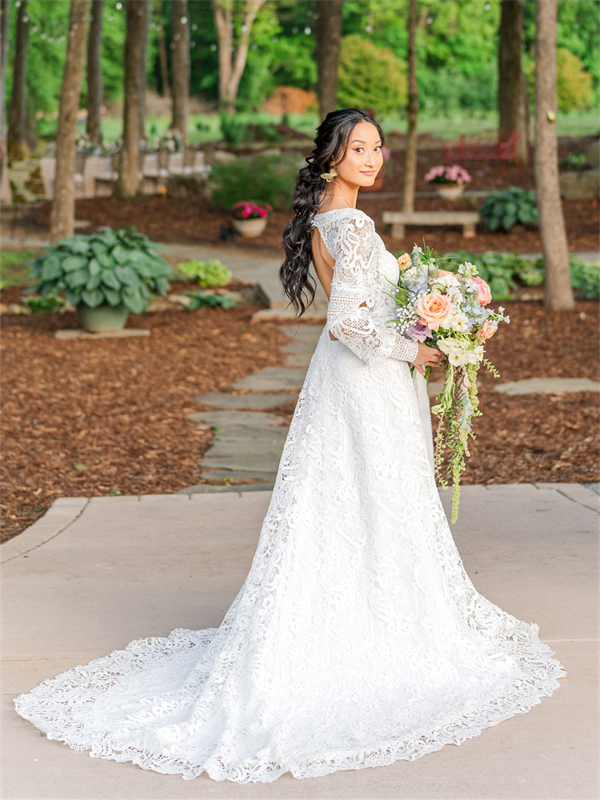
500 151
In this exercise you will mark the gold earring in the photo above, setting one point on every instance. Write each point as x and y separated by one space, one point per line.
329 176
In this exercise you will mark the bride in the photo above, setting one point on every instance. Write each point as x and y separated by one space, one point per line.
357 638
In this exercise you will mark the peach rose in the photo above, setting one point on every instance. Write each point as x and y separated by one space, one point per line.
442 272
434 309
488 329
484 294
404 261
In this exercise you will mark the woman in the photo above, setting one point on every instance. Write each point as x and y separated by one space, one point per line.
357 638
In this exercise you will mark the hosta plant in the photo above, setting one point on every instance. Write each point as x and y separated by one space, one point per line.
207 273
505 208
114 267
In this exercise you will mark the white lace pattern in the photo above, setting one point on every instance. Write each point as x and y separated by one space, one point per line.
357 637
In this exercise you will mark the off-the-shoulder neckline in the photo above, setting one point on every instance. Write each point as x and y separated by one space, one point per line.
345 208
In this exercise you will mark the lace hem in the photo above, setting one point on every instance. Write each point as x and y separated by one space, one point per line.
56 718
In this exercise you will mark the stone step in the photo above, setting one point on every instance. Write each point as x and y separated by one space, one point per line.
548 386
273 379
252 402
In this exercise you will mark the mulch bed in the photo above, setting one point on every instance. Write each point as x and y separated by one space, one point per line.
88 418
535 438
193 219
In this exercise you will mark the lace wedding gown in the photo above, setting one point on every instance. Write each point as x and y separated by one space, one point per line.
357 637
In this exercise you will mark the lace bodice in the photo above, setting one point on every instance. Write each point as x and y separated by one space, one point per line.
358 306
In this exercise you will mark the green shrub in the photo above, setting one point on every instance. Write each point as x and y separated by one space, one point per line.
207 273
573 84
232 128
585 278
504 208
574 161
271 178
497 269
199 299
47 304
370 77
114 267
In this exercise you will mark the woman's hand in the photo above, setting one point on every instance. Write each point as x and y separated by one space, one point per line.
427 357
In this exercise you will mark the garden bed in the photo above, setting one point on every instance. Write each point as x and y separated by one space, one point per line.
88 418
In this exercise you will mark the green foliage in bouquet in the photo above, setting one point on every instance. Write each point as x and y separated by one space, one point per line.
505 208
110 266
206 273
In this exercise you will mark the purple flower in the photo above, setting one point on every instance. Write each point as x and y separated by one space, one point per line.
418 332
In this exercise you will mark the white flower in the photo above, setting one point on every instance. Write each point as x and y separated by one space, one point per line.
457 359
479 351
447 280
471 357
458 323
449 345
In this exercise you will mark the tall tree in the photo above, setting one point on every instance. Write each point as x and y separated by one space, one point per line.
4 23
410 169
94 73
558 291
511 108
328 39
180 64
231 66
143 69
128 182
63 206
162 50
16 144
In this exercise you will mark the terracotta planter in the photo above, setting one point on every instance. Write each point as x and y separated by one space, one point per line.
450 191
103 318
250 228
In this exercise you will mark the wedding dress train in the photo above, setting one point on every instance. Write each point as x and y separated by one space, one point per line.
357 637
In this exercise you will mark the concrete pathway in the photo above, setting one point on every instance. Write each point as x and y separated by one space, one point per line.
93 575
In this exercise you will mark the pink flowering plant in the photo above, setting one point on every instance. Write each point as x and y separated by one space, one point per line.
453 174
249 209
448 309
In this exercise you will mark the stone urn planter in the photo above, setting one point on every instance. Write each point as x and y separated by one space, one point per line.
450 191
250 228
249 218
103 318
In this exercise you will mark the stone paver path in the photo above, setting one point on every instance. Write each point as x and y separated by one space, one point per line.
90 577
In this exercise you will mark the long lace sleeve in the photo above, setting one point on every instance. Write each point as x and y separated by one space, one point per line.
354 281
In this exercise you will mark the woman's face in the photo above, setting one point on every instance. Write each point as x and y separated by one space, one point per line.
363 158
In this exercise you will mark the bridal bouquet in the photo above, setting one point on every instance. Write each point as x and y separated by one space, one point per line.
447 309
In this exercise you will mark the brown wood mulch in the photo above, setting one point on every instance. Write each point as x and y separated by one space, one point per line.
87 418
193 219
535 438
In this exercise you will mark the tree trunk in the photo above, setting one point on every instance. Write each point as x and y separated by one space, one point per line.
180 72
128 182
63 206
144 69
328 39
410 169
4 24
558 291
162 50
510 77
231 67
16 145
94 73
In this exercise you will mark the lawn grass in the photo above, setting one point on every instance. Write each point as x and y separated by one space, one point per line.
205 127
14 269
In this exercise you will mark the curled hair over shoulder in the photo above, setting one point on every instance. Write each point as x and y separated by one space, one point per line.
331 142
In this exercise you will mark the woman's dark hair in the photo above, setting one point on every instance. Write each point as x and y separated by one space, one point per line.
331 142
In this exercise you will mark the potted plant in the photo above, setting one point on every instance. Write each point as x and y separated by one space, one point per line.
379 179
449 180
250 218
104 275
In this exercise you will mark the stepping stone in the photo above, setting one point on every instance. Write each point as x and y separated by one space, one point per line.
300 360
208 488
302 333
240 474
229 455
245 423
257 402
273 379
81 333
282 315
548 386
